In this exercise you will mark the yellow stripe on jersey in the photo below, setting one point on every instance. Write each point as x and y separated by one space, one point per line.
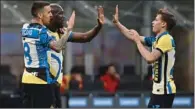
173 87
29 78
164 43
55 34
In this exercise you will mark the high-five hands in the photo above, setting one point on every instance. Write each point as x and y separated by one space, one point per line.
134 35
71 21
100 15
115 16
70 24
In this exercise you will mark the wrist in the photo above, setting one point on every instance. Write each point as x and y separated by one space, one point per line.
98 23
137 42
68 29
116 22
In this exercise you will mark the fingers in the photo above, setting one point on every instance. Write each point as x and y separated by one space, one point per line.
115 16
133 32
116 9
73 14
72 17
71 20
100 10
100 15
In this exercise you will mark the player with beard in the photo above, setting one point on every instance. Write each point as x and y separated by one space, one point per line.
36 80
57 27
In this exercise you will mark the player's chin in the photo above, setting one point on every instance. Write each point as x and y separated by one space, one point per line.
153 30
47 23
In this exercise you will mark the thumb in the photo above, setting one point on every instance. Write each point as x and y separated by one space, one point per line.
113 16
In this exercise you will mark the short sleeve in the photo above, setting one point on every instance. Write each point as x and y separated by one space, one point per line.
149 40
45 38
164 44
70 37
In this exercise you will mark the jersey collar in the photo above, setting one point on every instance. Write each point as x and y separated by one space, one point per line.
166 32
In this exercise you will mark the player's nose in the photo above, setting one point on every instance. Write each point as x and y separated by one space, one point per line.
152 22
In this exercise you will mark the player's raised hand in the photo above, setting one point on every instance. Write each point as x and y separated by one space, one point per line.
70 23
115 16
100 10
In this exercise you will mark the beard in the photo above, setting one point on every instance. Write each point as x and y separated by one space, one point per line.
59 24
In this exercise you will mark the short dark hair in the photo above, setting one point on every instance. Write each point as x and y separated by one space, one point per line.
168 17
37 6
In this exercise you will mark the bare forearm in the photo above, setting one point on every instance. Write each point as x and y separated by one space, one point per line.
59 45
93 32
144 52
87 36
123 30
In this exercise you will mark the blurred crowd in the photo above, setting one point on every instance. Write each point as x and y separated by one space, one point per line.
109 79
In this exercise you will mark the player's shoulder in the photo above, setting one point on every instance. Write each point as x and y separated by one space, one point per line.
166 37
34 27
52 32
30 30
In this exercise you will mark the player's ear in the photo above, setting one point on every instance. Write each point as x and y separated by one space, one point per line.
164 24
40 15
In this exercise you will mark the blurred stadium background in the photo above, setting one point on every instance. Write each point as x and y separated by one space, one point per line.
108 47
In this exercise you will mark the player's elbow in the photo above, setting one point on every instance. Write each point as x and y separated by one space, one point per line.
56 46
150 60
